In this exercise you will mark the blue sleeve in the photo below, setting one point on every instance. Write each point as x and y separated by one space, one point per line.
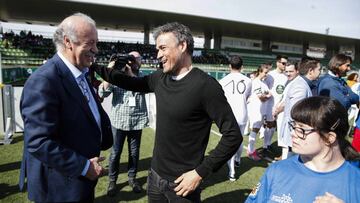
260 192
334 89
354 98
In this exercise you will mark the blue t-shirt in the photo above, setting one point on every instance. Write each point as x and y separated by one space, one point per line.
291 181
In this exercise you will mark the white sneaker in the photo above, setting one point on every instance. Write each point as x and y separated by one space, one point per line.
232 178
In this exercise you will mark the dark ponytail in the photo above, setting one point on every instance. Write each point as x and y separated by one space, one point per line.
348 152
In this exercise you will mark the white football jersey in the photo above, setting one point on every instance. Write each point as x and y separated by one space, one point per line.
276 84
237 88
256 106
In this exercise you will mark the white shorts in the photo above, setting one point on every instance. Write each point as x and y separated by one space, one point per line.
256 121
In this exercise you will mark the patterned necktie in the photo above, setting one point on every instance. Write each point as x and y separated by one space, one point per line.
84 88
90 99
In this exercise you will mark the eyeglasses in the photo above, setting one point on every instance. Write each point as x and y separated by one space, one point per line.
300 132
283 63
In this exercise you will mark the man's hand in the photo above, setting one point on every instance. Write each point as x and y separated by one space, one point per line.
95 169
104 85
328 198
128 71
263 97
188 182
278 109
111 64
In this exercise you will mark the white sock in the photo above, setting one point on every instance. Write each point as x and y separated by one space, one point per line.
231 166
262 132
238 153
246 128
252 140
269 132
284 153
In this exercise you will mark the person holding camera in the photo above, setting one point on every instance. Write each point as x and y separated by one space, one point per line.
188 100
128 117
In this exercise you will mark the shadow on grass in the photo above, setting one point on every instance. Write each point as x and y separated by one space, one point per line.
143 165
6 190
233 196
124 195
10 166
222 174
16 139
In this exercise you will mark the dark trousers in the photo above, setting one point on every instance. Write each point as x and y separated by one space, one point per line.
88 199
133 139
160 190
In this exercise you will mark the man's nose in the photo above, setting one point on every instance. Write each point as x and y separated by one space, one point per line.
159 55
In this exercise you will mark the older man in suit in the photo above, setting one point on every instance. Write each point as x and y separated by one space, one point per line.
65 125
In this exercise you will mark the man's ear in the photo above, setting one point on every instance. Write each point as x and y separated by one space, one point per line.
183 45
67 43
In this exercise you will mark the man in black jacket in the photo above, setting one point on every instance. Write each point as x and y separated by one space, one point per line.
188 101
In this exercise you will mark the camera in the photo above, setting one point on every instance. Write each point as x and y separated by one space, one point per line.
121 60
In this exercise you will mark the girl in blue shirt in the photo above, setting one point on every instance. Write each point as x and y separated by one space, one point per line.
321 172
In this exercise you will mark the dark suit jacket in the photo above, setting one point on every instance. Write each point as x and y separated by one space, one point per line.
60 135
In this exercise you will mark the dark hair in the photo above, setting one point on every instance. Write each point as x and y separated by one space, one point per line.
181 32
269 63
280 56
337 61
236 62
306 64
261 69
352 76
294 63
252 73
326 114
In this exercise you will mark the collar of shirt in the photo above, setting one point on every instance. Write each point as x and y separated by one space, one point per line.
312 84
331 73
75 71
182 75
342 81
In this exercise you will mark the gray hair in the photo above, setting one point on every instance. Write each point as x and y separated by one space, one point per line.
181 32
68 28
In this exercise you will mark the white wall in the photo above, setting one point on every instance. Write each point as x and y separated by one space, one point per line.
150 101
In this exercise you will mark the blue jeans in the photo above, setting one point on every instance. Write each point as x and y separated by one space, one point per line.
160 190
133 140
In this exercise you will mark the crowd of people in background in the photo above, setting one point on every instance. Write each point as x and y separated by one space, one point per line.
23 40
308 111
44 48
311 132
